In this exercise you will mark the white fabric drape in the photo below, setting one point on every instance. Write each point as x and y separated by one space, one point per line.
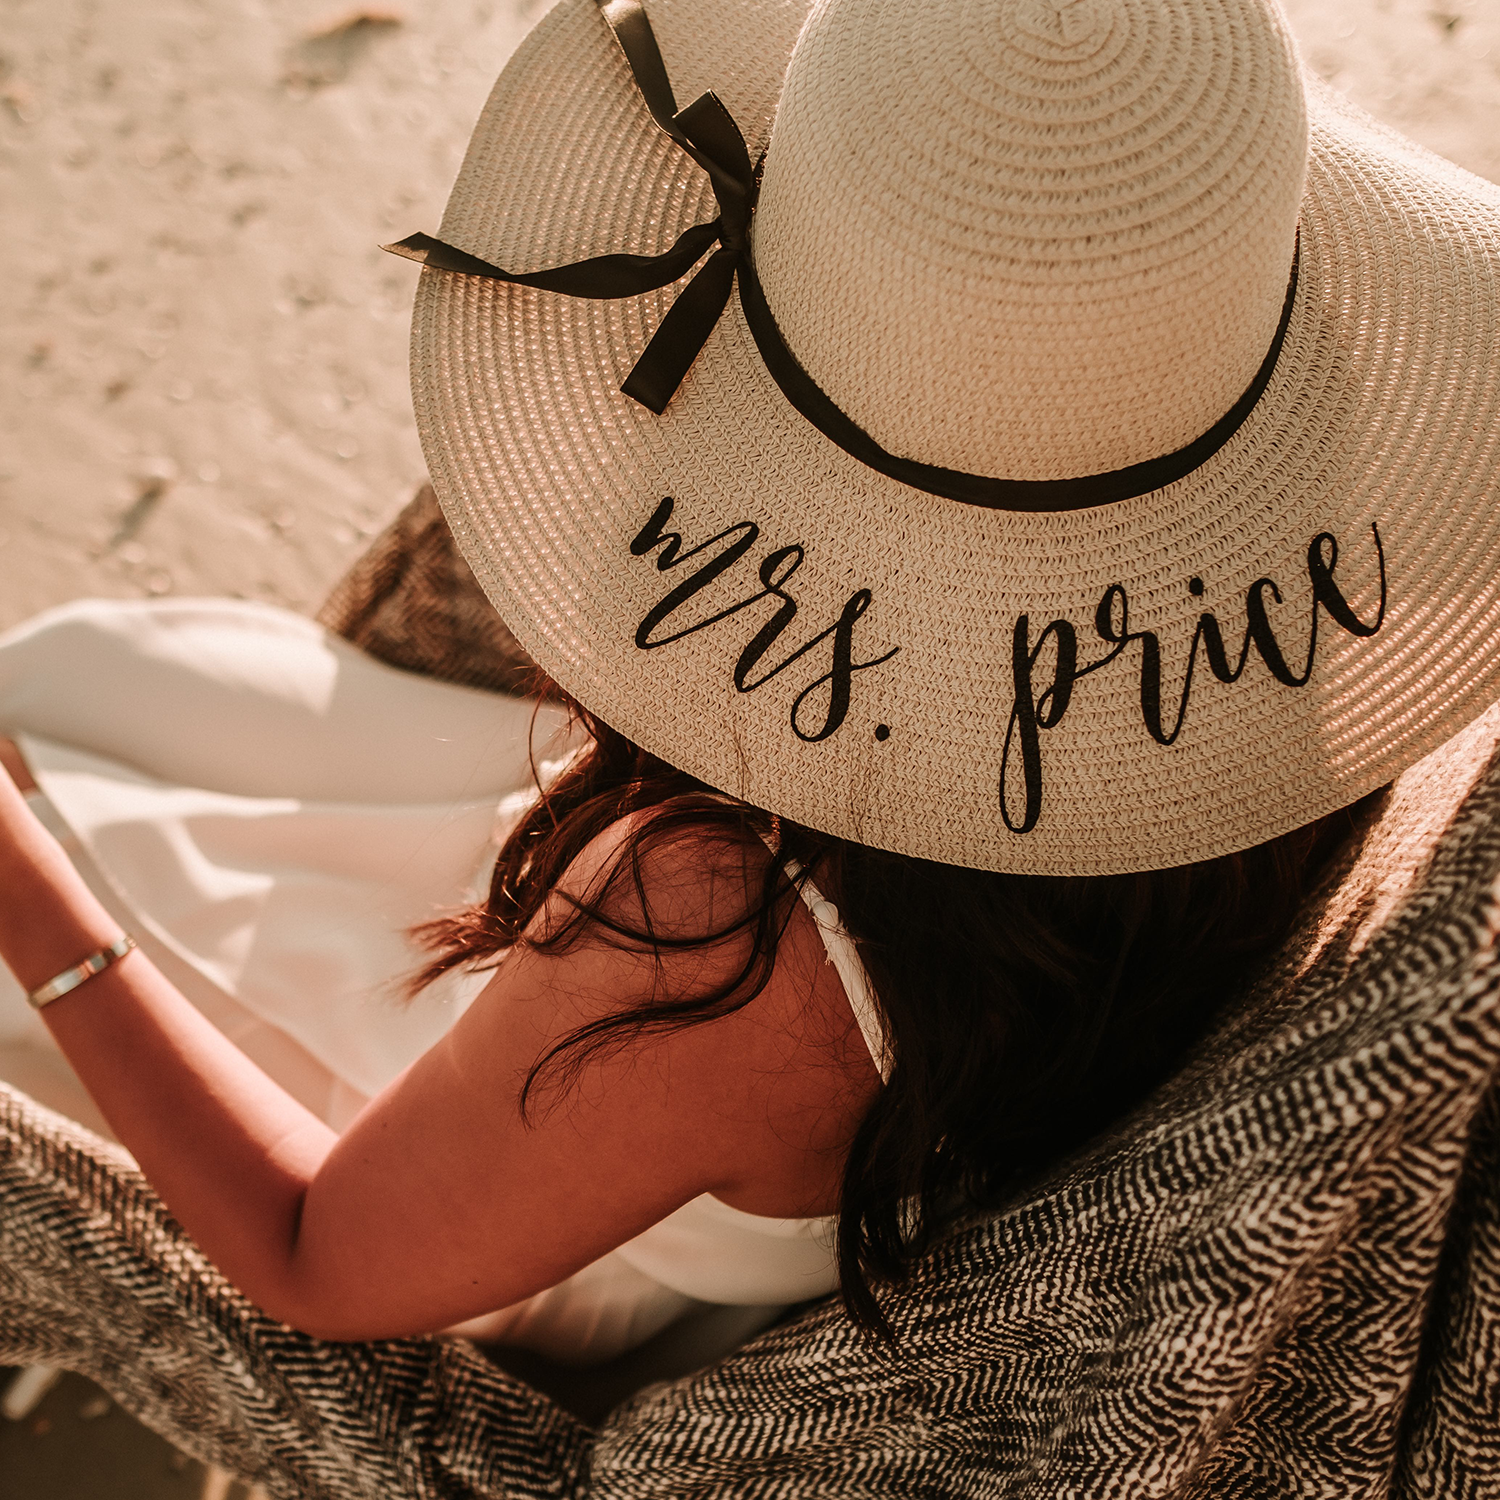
270 811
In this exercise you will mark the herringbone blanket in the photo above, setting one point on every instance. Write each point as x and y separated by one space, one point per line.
1281 1277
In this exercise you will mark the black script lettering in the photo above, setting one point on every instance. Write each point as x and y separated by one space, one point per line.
1112 625
1212 639
839 676
775 572
1120 635
655 534
1258 630
1030 713
1322 558
772 577
1327 593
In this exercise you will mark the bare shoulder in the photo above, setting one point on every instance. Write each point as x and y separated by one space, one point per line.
757 1104
774 1087
688 881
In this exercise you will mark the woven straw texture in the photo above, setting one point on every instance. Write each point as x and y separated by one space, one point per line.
1084 190
1281 1277
1382 413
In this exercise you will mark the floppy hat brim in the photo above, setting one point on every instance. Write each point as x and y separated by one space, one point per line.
1380 429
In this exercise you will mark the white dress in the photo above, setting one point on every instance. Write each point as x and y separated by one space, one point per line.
269 811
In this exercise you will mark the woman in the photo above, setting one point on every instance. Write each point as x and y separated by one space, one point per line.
1026 757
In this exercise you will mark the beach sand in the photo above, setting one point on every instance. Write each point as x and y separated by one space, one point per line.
204 352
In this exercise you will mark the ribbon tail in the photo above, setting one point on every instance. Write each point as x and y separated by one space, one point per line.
704 129
633 35
426 251
603 278
681 335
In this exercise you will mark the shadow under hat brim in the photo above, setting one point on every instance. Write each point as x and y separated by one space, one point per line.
1382 420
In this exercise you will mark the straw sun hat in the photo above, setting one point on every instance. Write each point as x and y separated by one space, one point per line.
1070 447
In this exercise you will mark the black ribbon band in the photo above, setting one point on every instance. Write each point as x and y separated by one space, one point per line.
705 131
977 489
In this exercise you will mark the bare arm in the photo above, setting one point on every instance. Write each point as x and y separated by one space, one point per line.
438 1203
213 1133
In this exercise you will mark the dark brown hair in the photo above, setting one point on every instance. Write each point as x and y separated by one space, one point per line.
1025 1013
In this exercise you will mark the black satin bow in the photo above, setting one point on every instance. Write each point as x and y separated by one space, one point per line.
707 133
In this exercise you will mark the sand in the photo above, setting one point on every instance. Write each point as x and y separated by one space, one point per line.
204 351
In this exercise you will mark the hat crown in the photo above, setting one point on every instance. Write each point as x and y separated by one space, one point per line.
1034 239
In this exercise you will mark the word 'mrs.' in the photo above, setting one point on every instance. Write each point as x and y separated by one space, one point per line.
659 627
